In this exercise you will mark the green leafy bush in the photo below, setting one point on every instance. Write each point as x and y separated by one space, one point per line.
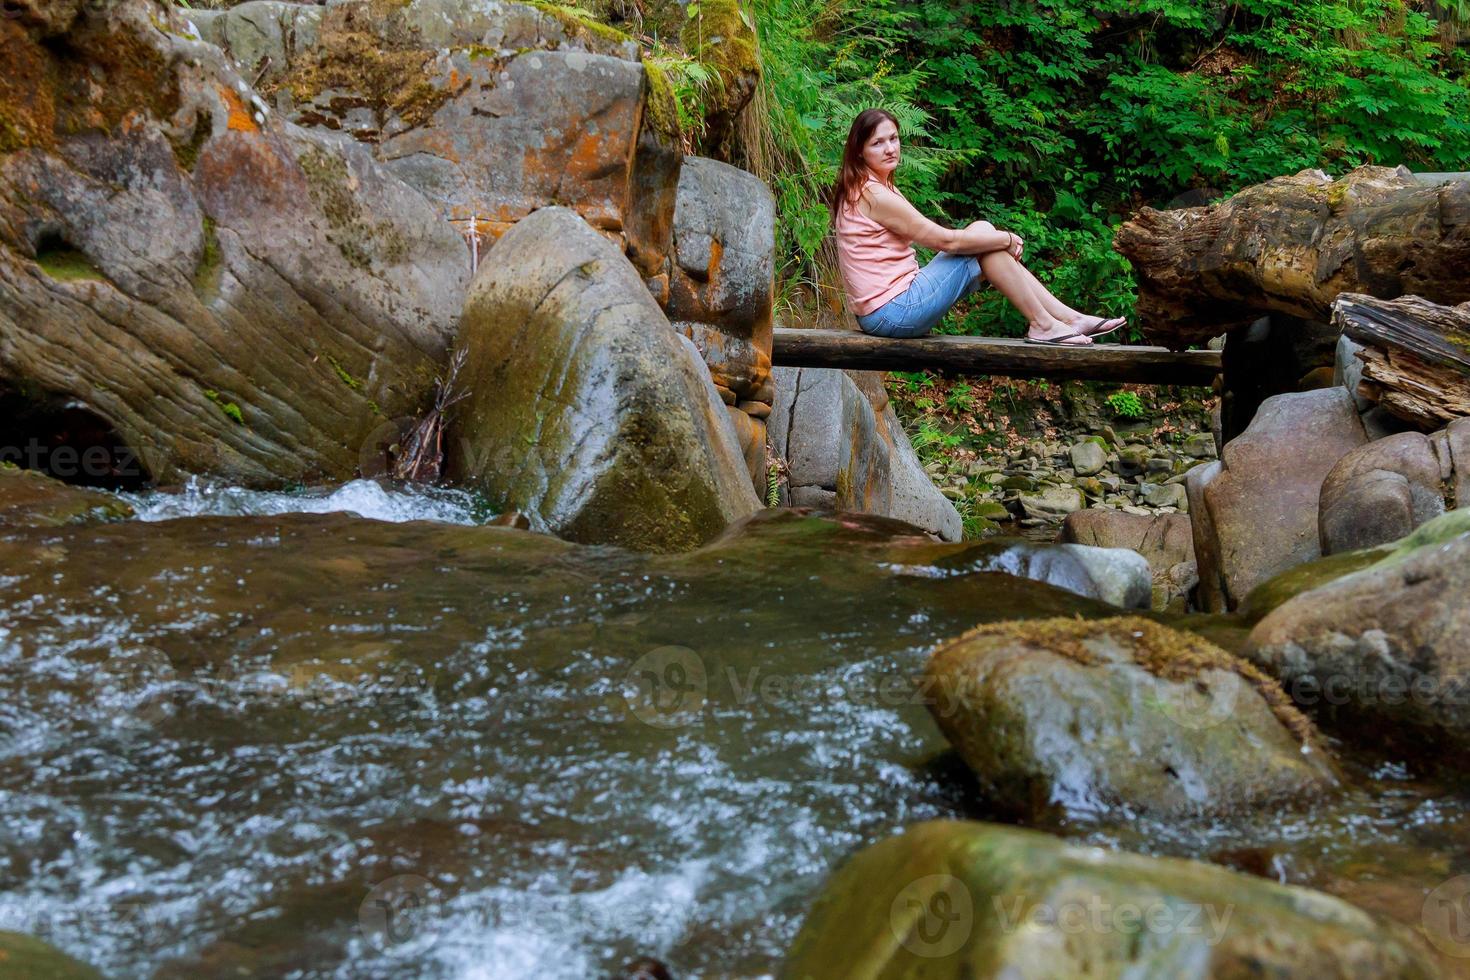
1126 404
1058 119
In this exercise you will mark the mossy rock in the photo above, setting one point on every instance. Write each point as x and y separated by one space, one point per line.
1063 717
1382 653
27 958
721 37
585 409
952 900
1274 592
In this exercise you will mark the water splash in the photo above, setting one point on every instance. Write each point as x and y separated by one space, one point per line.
365 498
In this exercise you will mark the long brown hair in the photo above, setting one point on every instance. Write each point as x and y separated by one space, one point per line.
854 173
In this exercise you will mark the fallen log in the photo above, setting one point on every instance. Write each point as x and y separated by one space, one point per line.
1291 245
1416 355
1002 356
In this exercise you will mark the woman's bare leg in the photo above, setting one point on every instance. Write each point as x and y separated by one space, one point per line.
1053 305
1029 296
1079 322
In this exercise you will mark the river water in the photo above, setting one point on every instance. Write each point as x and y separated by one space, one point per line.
356 733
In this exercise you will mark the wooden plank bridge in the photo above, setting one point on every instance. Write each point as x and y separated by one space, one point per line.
1002 356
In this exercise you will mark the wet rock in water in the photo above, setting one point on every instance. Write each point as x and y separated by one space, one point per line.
1120 576
30 499
1269 477
585 408
1088 458
962 900
1378 493
1383 653
1071 717
1166 542
845 450
1052 503
256 300
27 958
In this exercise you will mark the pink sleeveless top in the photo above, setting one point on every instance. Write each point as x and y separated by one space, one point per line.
876 264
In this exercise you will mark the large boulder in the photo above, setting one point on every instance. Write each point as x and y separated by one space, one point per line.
1076 717
1383 652
952 899
1260 503
228 293
583 408
492 109
844 450
720 288
1166 541
1380 492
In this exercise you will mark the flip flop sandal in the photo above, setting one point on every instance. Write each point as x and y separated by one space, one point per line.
1059 342
1103 333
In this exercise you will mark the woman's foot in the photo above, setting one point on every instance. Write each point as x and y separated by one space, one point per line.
1054 331
1096 326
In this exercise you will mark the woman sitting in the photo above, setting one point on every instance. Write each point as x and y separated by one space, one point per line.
891 296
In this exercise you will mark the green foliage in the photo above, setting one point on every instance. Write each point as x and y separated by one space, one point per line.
1058 119
231 409
1126 404
822 63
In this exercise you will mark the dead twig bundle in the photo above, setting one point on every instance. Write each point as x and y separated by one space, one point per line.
422 457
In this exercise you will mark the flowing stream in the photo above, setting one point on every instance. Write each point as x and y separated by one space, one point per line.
358 734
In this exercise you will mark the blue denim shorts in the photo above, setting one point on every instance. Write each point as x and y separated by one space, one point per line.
937 287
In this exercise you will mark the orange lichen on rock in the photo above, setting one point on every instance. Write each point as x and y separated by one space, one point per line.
241 120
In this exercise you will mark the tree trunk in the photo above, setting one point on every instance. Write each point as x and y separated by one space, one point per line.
1291 245
1009 357
1416 355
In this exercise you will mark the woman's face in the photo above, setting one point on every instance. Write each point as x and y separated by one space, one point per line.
880 152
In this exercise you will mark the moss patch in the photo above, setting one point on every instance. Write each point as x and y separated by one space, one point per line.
231 409
66 264
342 375
372 52
187 154
1167 654
350 228
211 264
661 108
577 22
721 37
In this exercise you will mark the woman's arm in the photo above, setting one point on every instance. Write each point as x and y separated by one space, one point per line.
894 212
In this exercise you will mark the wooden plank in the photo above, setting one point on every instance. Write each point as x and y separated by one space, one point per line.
999 356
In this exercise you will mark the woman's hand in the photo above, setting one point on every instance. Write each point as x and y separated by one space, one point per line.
1015 245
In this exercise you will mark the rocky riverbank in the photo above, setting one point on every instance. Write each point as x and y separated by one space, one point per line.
1018 456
